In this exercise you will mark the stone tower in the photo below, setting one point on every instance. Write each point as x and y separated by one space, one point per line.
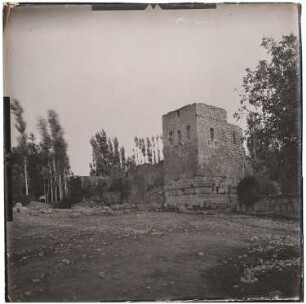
203 156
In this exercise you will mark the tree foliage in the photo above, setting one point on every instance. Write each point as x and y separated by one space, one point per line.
148 150
271 102
108 157
39 169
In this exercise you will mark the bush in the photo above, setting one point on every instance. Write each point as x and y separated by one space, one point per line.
66 203
251 188
269 187
248 190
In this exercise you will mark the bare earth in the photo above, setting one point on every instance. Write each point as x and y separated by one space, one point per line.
151 256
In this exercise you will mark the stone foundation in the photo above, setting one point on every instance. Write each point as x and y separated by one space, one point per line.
200 193
281 205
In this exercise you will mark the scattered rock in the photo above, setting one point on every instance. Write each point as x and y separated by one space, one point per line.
66 261
102 274
34 213
45 211
36 280
27 293
277 294
87 212
254 238
200 254
38 205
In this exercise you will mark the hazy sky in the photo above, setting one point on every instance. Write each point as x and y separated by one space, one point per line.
121 70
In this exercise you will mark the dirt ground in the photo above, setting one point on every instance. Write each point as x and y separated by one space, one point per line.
61 255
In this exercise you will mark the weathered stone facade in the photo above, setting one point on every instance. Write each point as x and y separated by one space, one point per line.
203 157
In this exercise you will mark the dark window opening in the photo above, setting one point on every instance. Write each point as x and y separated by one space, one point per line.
188 132
212 134
234 138
179 137
171 137
178 113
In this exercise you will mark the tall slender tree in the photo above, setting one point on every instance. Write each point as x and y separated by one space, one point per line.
60 160
149 150
47 172
135 151
154 158
122 158
21 126
116 154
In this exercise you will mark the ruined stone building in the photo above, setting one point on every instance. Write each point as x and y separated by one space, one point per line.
203 156
204 160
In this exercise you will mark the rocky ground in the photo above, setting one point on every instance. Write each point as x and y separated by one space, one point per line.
102 255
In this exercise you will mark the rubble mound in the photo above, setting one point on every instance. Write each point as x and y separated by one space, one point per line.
37 205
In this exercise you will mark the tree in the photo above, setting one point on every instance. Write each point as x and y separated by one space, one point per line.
43 167
122 157
21 126
159 148
116 155
135 151
149 150
153 150
100 152
143 149
59 156
46 170
107 158
271 102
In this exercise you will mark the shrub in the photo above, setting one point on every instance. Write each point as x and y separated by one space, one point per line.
64 204
269 187
248 190
251 188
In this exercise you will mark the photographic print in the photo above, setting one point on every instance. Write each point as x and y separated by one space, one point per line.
153 152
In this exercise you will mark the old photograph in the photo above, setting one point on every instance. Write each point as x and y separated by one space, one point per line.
153 152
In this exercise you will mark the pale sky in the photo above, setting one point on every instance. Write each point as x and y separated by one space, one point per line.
122 70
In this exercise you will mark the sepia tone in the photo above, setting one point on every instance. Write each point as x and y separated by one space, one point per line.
206 165
192 206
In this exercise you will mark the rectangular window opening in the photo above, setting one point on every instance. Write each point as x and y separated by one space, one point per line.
179 137
234 138
188 132
171 137
212 134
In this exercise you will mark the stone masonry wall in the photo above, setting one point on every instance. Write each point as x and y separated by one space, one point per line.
203 169
280 205
222 155
147 184
180 157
